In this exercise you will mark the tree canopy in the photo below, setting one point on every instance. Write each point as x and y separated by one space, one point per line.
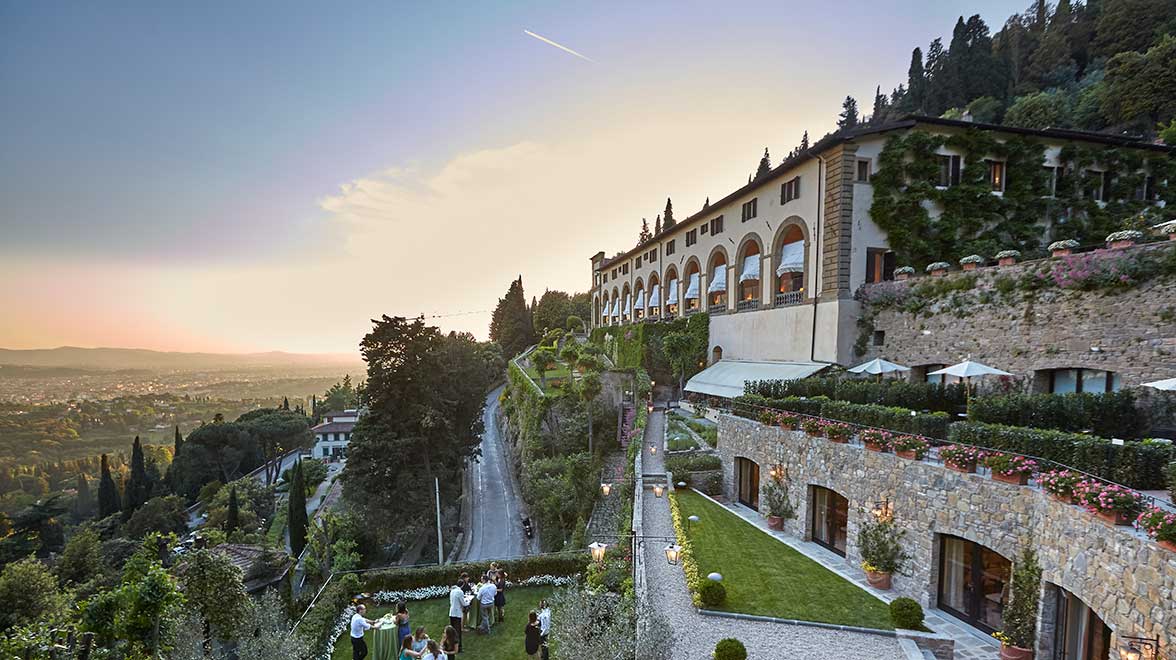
511 325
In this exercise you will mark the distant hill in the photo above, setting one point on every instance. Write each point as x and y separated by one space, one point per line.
137 358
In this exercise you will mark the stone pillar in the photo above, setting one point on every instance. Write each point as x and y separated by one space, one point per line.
766 292
732 288
837 222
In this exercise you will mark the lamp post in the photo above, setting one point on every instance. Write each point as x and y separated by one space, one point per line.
605 488
1139 648
689 521
597 549
658 490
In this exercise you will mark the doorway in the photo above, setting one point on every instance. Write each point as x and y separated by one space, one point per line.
747 479
973 582
829 521
1079 634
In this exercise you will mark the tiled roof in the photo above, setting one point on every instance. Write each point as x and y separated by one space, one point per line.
334 427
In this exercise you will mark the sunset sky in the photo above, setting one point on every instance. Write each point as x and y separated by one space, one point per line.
270 176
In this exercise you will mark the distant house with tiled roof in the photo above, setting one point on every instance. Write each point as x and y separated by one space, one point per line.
332 436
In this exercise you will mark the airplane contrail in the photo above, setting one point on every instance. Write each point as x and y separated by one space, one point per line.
559 46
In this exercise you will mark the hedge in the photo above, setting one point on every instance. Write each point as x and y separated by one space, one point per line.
899 393
1135 464
399 579
1172 478
319 622
1108 415
695 463
932 425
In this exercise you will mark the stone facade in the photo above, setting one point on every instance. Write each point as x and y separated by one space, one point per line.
1132 333
837 237
1125 578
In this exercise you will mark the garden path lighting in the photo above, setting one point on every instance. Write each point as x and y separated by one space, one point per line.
673 552
681 484
657 490
605 488
652 449
597 549
715 577
1139 648
690 521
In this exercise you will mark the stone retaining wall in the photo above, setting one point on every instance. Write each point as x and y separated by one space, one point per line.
1127 579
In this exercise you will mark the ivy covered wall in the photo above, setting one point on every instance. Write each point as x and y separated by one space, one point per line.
639 345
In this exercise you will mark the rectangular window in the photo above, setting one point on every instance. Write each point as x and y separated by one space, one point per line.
749 209
637 263
716 226
996 175
862 174
1092 185
691 237
624 269
703 229
949 171
1068 381
879 265
669 248
790 190
1051 181
652 256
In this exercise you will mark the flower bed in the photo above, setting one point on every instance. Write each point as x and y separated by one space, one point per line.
1110 502
910 447
960 458
1060 484
686 552
1010 468
1160 525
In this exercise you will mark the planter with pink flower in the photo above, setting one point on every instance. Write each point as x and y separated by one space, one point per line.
813 426
910 447
960 458
1063 248
971 262
875 439
1007 257
1010 468
838 432
788 421
1160 525
903 273
1059 484
1123 239
1112 503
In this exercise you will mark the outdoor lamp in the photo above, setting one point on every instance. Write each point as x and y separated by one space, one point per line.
605 488
1139 648
649 408
597 549
690 521
681 484
672 553
657 490
715 577
653 449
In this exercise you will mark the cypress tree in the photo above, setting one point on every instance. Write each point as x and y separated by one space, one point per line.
84 503
138 487
297 515
668 217
108 496
765 165
849 113
285 403
233 520
179 442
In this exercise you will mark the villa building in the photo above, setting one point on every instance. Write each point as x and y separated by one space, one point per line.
776 263
332 436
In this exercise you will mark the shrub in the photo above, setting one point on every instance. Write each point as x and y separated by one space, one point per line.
730 649
903 393
713 484
399 579
880 545
1020 615
893 419
1110 415
906 614
713 594
1172 480
779 504
693 463
1007 464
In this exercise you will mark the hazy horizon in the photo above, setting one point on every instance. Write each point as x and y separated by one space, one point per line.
241 179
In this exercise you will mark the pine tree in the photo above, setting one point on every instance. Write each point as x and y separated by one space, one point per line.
233 519
765 165
849 113
916 94
297 513
178 442
644 236
1039 20
108 495
84 501
668 216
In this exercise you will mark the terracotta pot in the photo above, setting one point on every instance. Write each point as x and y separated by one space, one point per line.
1016 479
938 273
902 276
1119 245
840 440
1064 252
1015 653
1167 545
910 455
878 579
1006 261
968 266
1064 499
1115 518
969 468
875 446
776 523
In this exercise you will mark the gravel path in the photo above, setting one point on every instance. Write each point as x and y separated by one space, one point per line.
696 635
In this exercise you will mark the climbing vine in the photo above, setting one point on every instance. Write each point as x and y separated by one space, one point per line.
1024 217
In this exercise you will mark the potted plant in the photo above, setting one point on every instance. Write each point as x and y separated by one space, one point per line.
960 458
813 426
903 273
1160 525
938 268
1007 257
1010 468
787 421
779 504
1112 503
880 545
838 432
1062 248
971 261
1123 239
910 447
767 417
1019 636
1060 484
875 439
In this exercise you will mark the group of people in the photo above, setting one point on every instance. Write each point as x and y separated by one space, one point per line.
490 594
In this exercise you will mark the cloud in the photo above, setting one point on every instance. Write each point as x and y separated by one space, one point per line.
559 46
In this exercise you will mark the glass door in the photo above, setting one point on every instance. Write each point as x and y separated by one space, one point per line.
1079 634
973 582
830 519
747 482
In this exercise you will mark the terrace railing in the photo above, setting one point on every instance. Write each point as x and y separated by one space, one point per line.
747 305
789 298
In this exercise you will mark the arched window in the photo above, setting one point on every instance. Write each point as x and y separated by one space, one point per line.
716 354
673 292
639 301
654 302
692 297
716 290
749 277
790 275
615 310
829 518
626 304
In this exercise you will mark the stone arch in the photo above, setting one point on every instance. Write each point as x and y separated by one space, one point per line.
671 275
716 261
791 287
692 267
596 310
639 299
748 291
654 281
626 301
615 307
716 354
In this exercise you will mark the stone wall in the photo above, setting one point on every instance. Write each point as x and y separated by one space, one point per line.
1127 579
1131 333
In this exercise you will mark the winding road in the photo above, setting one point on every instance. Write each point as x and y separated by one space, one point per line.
496 530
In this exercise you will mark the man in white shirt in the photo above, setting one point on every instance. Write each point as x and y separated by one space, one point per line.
544 626
486 603
359 625
456 604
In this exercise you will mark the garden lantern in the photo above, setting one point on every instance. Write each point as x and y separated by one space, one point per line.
690 521
673 551
653 449
597 549
883 510
657 490
1139 648
605 488
715 577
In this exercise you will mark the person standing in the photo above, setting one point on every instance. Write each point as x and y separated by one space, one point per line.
467 588
500 596
403 628
532 636
450 642
359 625
486 605
456 608
544 626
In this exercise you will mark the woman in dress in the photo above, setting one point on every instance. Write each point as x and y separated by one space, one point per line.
433 652
403 629
450 645
419 638
532 637
467 587
406 652
500 596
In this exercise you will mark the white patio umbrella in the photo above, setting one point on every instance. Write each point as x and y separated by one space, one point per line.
877 366
1168 385
967 369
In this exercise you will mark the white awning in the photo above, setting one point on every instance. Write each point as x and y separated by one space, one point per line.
692 287
672 296
725 378
718 282
616 309
791 258
751 268
628 305
640 303
655 296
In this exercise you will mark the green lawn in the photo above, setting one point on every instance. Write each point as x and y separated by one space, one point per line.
678 437
555 375
504 643
766 577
